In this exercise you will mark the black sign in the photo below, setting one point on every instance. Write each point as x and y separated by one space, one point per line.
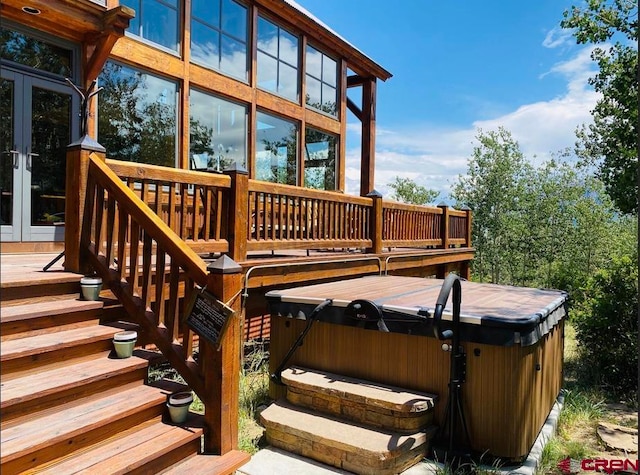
208 317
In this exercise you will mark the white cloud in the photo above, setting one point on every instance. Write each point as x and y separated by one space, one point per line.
557 37
434 157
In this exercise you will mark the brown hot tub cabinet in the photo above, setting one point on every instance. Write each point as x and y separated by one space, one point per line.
513 338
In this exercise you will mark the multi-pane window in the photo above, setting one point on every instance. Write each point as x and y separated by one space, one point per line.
321 81
276 149
219 36
28 51
320 160
137 116
277 60
217 132
155 21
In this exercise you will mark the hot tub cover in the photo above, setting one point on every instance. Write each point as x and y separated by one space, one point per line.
491 314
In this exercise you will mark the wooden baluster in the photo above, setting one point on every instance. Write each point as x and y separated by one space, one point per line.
218 209
208 219
173 220
110 229
184 211
134 251
160 280
198 196
147 274
99 223
123 224
184 329
172 320
271 200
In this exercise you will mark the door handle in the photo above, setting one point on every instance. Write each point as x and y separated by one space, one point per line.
30 157
15 156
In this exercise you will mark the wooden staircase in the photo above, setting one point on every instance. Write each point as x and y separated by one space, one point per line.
68 405
355 425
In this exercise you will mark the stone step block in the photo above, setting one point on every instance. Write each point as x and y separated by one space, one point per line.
365 402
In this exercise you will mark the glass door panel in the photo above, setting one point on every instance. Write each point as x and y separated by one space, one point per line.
39 119
50 135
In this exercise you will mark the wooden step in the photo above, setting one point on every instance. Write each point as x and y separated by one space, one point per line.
205 464
23 353
43 316
30 391
345 445
366 402
146 448
40 284
31 318
37 438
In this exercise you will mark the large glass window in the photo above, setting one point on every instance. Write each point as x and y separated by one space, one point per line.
320 160
321 75
277 60
276 149
217 132
22 49
156 21
137 116
219 36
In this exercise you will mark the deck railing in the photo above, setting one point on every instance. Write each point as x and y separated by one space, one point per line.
191 203
405 225
289 217
153 272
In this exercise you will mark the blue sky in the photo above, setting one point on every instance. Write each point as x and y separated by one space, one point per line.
459 66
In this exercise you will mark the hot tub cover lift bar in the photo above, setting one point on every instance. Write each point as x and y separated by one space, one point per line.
458 371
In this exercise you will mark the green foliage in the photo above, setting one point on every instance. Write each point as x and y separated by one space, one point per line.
407 191
606 325
549 226
493 188
612 25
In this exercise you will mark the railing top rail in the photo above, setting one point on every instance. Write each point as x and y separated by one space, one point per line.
410 207
152 223
144 171
291 190
457 212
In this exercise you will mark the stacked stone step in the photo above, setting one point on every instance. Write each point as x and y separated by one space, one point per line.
356 425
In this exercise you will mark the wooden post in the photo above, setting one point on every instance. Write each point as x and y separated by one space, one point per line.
368 144
238 212
444 225
469 222
77 172
465 270
376 223
221 368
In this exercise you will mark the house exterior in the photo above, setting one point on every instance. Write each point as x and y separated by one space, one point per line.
253 85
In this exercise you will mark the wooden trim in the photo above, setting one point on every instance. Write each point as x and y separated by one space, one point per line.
135 53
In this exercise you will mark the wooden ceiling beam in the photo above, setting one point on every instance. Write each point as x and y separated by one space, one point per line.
356 80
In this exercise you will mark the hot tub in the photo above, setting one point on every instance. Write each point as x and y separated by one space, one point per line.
513 338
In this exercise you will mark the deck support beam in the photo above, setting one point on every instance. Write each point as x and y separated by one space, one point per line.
368 143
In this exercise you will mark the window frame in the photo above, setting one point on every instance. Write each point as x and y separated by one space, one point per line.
222 33
298 67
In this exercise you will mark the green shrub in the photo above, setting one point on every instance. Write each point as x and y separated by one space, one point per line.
606 326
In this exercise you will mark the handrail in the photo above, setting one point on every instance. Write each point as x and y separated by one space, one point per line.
150 270
245 292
